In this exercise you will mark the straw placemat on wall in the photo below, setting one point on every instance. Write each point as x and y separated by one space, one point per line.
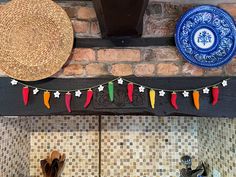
36 39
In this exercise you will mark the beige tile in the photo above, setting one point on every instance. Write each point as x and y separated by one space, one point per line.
217 142
146 146
77 137
14 147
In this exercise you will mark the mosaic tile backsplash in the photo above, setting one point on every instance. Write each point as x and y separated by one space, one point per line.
146 146
131 146
14 147
217 144
76 136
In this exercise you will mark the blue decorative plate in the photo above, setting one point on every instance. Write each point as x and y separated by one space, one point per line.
205 36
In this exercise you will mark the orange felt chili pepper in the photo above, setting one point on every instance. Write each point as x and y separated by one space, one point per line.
89 98
215 95
130 91
68 101
25 94
174 100
196 97
46 98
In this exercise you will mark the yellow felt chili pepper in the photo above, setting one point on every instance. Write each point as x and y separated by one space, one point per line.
196 100
152 95
46 98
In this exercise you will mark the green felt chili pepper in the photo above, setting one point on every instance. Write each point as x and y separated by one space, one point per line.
111 91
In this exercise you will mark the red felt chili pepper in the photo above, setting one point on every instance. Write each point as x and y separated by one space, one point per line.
25 94
215 95
174 100
68 101
89 98
130 91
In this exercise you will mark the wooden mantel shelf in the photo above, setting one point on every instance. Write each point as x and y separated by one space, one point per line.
12 104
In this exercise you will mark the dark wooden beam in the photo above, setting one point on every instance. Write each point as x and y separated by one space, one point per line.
120 18
123 42
12 104
54 0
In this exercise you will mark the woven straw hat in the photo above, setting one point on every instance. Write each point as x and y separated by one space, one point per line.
36 39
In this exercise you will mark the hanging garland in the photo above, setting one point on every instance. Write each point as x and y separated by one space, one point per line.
130 91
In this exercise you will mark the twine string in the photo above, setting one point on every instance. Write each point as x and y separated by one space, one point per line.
126 80
178 90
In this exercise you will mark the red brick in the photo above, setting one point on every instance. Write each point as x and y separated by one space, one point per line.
162 54
187 7
144 70
73 69
86 13
71 11
159 27
167 69
192 70
154 9
96 69
121 70
95 30
80 26
214 72
230 68
171 9
116 55
83 54
230 7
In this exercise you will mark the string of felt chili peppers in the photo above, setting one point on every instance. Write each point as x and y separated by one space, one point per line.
185 92
130 90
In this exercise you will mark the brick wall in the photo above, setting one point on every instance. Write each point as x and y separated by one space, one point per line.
162 139
159 21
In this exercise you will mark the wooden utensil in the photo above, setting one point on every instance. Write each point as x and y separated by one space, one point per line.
53 165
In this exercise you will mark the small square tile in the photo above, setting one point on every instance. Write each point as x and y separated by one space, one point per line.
76 136
140 146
